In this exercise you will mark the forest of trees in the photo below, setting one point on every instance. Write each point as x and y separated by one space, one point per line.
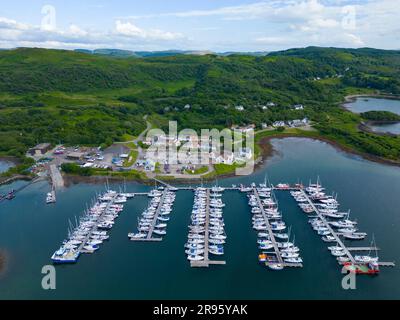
79 98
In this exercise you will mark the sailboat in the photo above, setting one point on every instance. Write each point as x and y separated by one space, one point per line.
368 258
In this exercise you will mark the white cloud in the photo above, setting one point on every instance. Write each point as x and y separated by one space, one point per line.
130 30
279 25
309 22
125 35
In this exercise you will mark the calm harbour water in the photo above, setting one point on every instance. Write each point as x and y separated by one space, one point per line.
373 104
5 165
30 231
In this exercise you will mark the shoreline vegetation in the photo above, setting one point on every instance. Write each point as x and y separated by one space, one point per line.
264 151
97 101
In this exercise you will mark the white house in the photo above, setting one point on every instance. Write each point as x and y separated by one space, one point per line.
225 159
278 124
150 166
299 123
239 108
246 153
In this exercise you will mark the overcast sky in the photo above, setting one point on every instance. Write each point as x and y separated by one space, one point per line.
217 25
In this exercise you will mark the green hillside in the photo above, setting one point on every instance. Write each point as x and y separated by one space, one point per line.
82 98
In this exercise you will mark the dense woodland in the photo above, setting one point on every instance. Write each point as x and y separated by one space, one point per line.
80 98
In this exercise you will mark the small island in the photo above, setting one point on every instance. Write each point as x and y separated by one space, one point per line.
381 116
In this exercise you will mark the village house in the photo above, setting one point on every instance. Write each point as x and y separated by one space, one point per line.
147 165
299 123
278 124
227 158
239 108
246 153
75 156
244 130
298 107
40 149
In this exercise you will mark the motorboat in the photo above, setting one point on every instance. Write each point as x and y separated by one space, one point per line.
50 198
65 256
281 236
218 251
286 254
194 252
135 236
195 258
275 266
365 259
328 238
216 241
355 236
194 246
293 260
90 248
265 246
338 253
160 232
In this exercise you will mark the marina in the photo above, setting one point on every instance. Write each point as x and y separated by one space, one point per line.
207 234
122 264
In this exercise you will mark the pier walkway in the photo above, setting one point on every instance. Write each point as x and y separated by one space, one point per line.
328 226
340 243
272 236
56 177
81 248
153 225
206 262
150 237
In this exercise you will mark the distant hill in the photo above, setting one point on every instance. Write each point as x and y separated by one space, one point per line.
141 54
33 70
166 53
245 53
